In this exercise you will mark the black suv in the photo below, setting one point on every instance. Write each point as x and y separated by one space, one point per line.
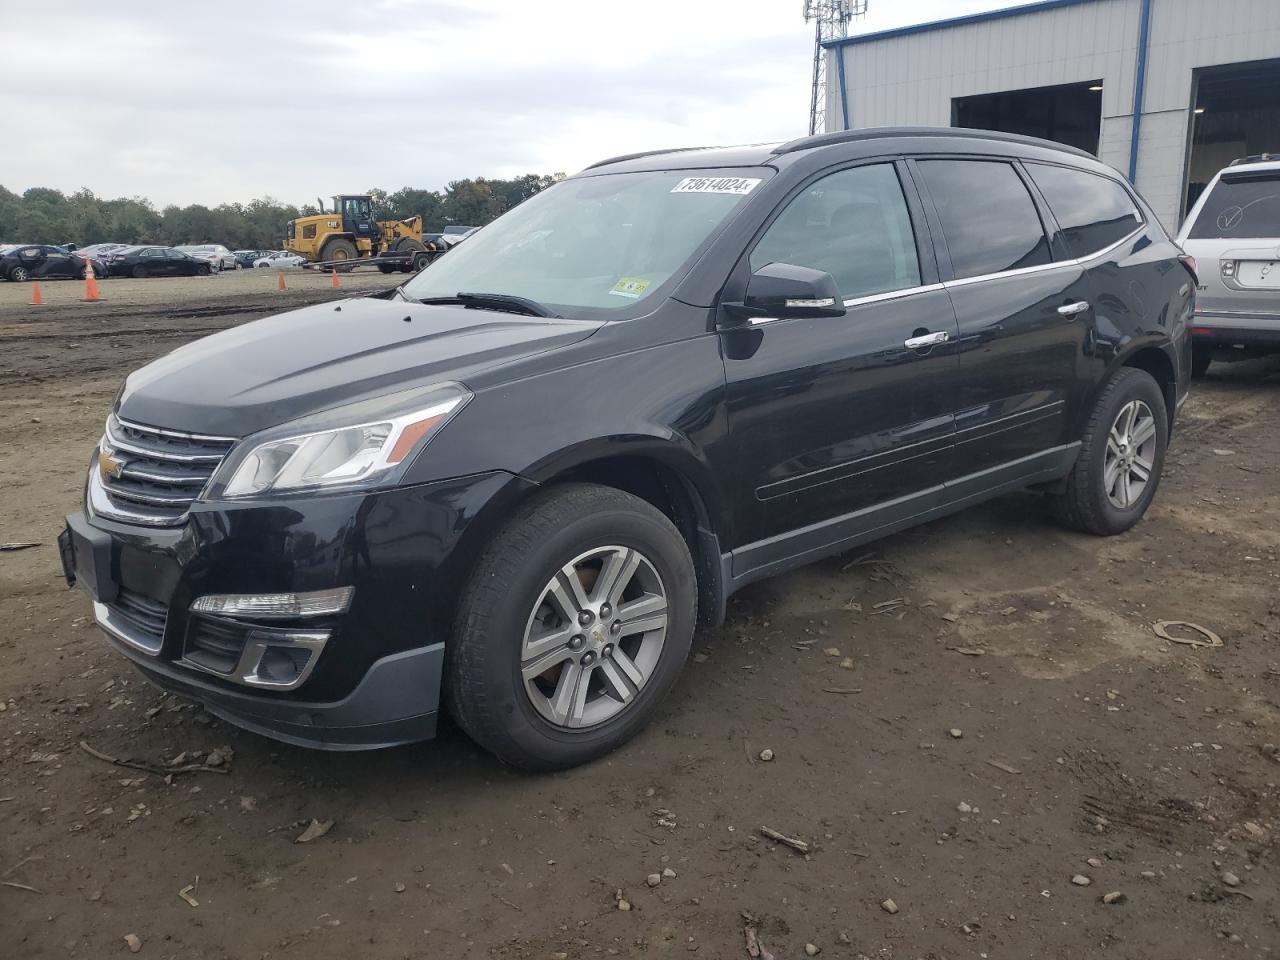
516 483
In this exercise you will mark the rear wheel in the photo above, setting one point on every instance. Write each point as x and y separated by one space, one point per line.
574 624
408 245
339 250
1121 457
1201 357
202 270
140 272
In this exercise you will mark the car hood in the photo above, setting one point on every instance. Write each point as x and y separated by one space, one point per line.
280 368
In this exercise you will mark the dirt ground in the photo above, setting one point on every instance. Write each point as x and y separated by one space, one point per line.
962 719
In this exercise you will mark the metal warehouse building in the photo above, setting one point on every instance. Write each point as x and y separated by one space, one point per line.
1166 91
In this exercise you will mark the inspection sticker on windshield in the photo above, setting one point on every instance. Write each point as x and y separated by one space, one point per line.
738 185
630 287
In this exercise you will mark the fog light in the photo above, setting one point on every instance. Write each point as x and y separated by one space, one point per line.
276 606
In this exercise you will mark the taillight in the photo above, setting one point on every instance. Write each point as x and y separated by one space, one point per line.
1189 262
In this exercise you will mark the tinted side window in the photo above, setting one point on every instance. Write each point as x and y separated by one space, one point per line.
854 225
989 219
1094 212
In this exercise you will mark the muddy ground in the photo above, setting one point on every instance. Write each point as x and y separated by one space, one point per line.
1086 745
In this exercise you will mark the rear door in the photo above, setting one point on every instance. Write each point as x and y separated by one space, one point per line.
1023 313
831 418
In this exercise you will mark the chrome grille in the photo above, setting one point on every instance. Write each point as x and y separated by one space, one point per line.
160 475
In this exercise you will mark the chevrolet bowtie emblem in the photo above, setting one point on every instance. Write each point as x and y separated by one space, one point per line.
109 465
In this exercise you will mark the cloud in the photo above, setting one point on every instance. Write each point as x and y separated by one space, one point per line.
185 104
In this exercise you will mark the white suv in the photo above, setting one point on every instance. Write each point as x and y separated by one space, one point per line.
1233 232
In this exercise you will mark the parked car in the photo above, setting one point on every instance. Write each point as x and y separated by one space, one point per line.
35 261
279 259
155 261
99 251
1234 234
216 255
682 372
453 235
247 258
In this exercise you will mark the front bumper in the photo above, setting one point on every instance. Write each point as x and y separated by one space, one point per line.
376 681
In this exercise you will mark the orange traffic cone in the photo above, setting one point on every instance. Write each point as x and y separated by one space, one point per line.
334 283
280 280
90 282
36 299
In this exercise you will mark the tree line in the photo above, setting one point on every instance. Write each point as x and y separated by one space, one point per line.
44 215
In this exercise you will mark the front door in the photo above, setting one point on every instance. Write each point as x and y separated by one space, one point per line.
833 418
1020 309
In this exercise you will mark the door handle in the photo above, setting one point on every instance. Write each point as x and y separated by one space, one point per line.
926 340
1072 309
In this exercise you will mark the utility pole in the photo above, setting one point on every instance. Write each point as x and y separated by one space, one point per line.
831 19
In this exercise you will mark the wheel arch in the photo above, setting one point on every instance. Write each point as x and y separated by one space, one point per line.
1154 359
663 473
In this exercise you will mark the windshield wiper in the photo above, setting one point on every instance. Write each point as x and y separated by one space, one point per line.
494 301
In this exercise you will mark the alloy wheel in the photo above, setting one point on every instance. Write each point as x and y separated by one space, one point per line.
594 637
1131 453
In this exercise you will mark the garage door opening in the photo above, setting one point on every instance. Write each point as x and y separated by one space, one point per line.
1070 114
1237 114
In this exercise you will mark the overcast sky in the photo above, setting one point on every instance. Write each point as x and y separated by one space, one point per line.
295 100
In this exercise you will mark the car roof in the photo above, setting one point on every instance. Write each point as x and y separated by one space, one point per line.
871 141
1250 166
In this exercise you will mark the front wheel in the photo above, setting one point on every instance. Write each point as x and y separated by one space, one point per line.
19 275
1121 457
573 626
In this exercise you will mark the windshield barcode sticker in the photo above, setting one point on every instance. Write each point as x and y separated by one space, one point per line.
738 185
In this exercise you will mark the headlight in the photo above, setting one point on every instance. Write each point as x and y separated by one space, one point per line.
344 455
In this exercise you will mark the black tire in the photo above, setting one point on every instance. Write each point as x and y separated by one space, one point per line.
140 272
408 245
1084 505
202 270
386 268
1201 357
339 250
484 689
421 261
19 275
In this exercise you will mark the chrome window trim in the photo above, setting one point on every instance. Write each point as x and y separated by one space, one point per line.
858 301
1057 264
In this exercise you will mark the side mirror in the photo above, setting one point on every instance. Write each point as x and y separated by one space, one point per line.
784 290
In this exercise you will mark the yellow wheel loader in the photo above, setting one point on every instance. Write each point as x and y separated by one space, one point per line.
349 233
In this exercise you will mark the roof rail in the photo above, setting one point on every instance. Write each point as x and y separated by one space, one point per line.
1256 158
881 133
643 153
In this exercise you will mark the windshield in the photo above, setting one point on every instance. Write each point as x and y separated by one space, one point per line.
1243 207
601 242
